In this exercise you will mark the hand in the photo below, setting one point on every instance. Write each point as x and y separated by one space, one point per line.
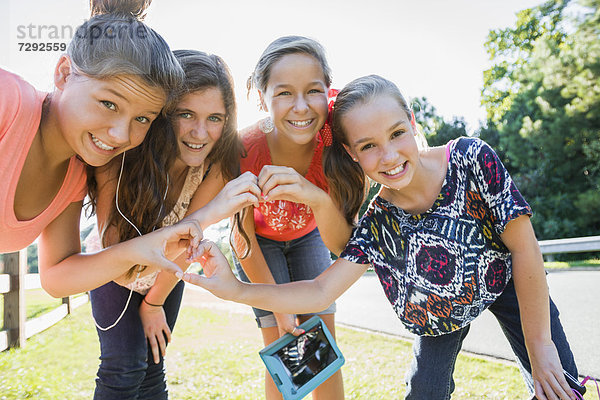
156 329
285 183
548 378
287 324
237 194
218 277
155 248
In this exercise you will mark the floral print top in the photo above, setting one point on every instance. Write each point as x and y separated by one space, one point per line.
280 219
442 268
192 180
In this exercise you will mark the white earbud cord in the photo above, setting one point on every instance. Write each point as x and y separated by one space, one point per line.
139 233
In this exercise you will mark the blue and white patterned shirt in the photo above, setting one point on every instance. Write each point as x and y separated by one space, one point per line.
442 268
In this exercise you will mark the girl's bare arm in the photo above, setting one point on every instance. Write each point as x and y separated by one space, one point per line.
534 305
294 298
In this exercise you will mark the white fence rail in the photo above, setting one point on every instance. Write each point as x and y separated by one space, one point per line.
14 281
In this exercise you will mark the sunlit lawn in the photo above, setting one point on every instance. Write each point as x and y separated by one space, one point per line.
591 263
214 355
37 302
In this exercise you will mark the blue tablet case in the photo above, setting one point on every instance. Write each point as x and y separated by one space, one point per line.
299 364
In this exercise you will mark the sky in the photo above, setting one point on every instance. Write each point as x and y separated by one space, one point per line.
430 48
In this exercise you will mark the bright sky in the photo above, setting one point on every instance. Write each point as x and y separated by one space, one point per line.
431 48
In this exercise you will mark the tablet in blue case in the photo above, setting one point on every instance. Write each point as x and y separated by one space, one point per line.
299 364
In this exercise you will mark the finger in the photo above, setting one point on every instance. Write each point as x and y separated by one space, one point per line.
562 388
167 332
198 252
248 175
195 240
539 391
247 199
254 189
212 250
278 179
169 266
188 228
291 192
162 344
297 331
548 392
195 232
154 347
241 184
268 171
195 279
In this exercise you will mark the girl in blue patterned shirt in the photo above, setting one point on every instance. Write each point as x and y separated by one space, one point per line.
449 235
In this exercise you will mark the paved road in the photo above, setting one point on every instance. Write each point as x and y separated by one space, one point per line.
577 295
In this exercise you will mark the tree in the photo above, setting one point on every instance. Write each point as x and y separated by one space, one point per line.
437 131
542 97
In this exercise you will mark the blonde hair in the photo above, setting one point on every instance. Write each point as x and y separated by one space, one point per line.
115 41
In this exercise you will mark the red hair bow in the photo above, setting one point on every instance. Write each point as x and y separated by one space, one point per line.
326 135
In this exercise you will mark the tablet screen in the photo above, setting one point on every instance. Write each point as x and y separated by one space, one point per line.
306 356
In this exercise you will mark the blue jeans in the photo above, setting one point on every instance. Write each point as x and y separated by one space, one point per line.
293 260
430 375
127 369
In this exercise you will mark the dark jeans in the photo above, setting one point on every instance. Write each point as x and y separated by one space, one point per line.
127 369
430 375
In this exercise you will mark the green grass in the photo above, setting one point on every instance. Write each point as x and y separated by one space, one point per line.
214 355
59 363
37 302
571 264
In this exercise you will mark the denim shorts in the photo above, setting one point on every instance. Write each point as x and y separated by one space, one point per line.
293 260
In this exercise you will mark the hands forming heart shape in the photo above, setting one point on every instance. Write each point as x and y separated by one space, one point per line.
274 182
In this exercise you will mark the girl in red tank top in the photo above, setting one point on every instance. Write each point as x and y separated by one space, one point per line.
284 151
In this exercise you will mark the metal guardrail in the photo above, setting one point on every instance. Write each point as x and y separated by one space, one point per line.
572 245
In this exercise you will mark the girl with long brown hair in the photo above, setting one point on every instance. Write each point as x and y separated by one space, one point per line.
176 171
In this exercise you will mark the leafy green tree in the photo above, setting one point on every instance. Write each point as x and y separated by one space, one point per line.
32 259
437 131
542 97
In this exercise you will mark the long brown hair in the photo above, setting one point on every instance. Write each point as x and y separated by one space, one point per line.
347 181
143 183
